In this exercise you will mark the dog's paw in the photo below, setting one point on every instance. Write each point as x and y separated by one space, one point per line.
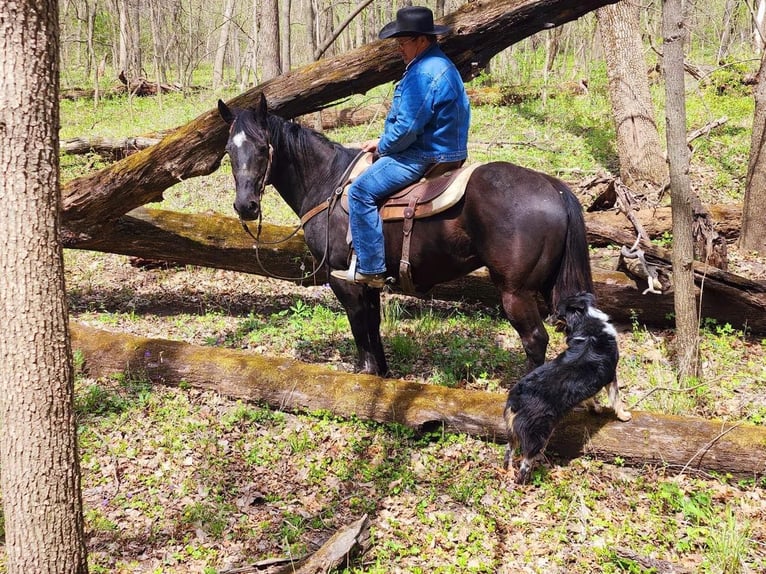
623 415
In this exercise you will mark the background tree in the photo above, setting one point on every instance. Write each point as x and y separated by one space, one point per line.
130 37
223 42
753 235
285 34
268 40
38 449
642 160
687 324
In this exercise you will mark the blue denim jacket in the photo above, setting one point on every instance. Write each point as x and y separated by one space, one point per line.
430 113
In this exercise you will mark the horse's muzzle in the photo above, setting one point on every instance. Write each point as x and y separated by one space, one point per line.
248 212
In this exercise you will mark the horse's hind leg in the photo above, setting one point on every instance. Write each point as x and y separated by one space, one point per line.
521 310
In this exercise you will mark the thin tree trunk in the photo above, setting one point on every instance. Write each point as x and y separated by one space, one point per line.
285 35
687 323
223 41
759 30
124 41
726 30
638 141
753 236
42 505
253 43
342 26
269 40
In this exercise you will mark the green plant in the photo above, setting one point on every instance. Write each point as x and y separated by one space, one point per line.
208 517
728 545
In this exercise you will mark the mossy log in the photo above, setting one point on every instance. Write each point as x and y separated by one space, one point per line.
678 442
481 30
213 240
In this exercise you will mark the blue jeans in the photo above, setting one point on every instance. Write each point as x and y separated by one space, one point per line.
386 176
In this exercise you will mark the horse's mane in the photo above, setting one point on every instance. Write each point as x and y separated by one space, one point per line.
301 142
297 139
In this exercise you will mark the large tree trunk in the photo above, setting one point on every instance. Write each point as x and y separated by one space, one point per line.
753 235
481 30
675 442
638 142
42 506
687 323
219 241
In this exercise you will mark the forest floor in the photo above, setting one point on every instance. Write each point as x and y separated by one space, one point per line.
181 480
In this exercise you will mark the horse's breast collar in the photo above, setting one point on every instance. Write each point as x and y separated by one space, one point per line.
429 196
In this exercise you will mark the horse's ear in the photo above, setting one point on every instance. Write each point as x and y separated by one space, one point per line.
225 112
261 109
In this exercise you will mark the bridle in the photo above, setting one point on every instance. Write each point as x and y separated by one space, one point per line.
327 205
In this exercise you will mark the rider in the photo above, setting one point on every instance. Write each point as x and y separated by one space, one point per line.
427 124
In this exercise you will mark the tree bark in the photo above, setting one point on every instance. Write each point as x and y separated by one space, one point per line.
42 505
481 30
638 141
687 324
218 241
680 443
753 235
268 36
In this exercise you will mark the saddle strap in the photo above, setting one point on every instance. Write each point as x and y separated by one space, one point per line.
405 270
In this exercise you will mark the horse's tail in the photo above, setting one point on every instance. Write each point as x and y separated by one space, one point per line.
574 274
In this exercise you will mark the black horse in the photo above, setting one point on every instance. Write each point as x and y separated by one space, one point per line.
526 227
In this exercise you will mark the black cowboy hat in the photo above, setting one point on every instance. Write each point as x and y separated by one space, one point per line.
412 21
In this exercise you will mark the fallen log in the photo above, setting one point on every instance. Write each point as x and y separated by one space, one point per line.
481 30
657 222
212 240
333 118
680 443
114 148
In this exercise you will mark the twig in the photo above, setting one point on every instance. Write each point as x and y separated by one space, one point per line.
706 129
707 447
651 563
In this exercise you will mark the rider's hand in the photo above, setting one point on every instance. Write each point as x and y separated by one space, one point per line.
370 145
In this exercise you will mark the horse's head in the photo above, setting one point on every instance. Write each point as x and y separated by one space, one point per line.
250 151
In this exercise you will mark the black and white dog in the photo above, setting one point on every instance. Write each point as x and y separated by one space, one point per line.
541 398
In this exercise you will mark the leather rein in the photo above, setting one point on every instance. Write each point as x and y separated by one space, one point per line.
327 205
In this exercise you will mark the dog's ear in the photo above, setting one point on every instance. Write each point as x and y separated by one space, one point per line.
573 304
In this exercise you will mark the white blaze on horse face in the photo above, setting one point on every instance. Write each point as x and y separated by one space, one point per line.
238 139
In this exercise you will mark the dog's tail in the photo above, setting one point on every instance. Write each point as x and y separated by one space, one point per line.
574 275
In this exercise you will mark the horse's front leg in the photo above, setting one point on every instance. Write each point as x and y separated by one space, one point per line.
362 306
